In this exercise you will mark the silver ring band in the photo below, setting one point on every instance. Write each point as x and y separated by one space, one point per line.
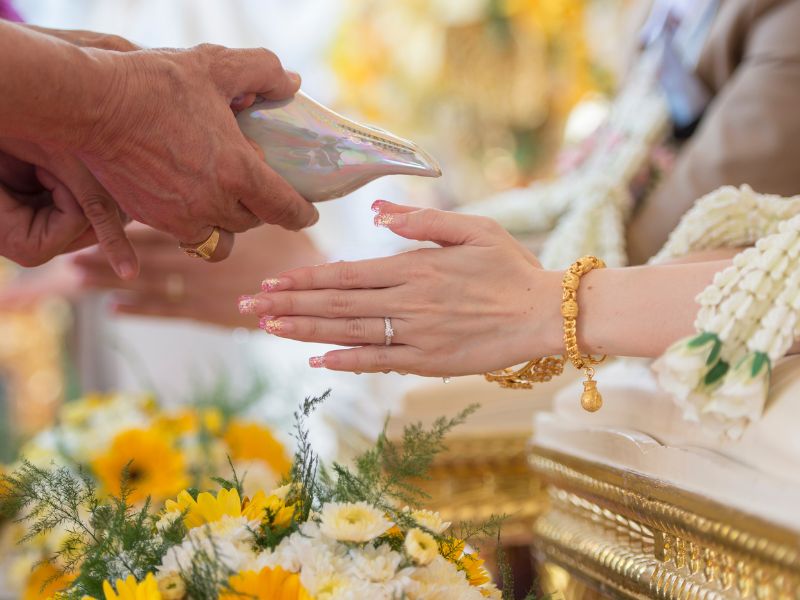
388 332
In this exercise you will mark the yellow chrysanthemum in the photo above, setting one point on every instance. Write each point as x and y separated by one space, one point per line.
130 589
155 468
210 509
473 567
251 441
268 584
45 573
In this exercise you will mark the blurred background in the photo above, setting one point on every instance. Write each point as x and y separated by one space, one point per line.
492 88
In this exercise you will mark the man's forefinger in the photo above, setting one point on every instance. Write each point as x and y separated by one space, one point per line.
276 202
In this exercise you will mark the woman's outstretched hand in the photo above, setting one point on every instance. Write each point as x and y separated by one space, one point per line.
479 302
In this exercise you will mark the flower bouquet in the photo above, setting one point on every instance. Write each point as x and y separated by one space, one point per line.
162 451
343 532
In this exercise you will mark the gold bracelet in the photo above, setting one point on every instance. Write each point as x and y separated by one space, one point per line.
537 370
591 400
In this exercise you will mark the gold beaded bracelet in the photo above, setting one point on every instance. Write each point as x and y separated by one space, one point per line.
591 400
544 369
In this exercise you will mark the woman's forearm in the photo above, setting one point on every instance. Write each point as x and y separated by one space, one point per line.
633 311
51 88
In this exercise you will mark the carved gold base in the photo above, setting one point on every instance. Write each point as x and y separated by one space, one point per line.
477 477
611 533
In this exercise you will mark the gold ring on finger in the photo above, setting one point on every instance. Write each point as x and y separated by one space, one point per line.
204 250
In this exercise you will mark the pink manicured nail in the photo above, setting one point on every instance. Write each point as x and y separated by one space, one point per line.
316 362
273 284
384 220
247 305
270 324
376 206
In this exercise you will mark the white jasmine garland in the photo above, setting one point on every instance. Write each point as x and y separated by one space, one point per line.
587 207
748 316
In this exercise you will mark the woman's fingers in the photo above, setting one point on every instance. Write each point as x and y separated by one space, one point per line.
369 359
355 331
442 227
373 273
331 304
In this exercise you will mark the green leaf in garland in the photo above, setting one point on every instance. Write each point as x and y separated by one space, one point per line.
759 361
702 339
712 358
716 373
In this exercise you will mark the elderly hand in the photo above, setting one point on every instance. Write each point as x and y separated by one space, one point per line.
171 286
167 147
481 302
156 128
41 197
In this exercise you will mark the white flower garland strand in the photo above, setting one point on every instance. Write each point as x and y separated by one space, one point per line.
749 316
589 205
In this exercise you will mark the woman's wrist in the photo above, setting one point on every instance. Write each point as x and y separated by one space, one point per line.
541 333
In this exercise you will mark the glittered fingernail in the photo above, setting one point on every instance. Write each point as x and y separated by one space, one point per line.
384 220
272 284
316 362
376 206
269 324
247 305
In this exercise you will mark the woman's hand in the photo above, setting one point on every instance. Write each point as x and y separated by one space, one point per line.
171 286
480 302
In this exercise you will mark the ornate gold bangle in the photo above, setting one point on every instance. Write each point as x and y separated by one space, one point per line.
591 400
538 370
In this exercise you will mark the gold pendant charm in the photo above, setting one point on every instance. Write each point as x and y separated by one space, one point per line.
591 400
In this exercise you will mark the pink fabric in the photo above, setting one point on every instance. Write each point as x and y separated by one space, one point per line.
7 11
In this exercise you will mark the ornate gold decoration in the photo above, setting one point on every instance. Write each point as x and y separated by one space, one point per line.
204 250
591 400
634 537
477 477
538 370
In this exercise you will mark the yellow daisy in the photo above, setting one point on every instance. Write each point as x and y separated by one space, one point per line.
155 468
210 509
251 441
268 584
130 589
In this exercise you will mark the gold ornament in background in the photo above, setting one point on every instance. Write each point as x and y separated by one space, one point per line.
487 84
31 361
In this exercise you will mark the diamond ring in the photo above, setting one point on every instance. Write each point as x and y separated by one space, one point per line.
388 332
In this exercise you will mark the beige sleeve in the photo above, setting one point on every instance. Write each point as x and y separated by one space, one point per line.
749 134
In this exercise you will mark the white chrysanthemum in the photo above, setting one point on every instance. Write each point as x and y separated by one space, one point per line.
167 520
430 520
230 554
421 546
441 580
352 522
300 549
282 492
375 563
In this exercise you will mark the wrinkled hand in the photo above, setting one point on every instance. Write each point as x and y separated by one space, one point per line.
169 285
168 149
52 204
471 306
88 39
